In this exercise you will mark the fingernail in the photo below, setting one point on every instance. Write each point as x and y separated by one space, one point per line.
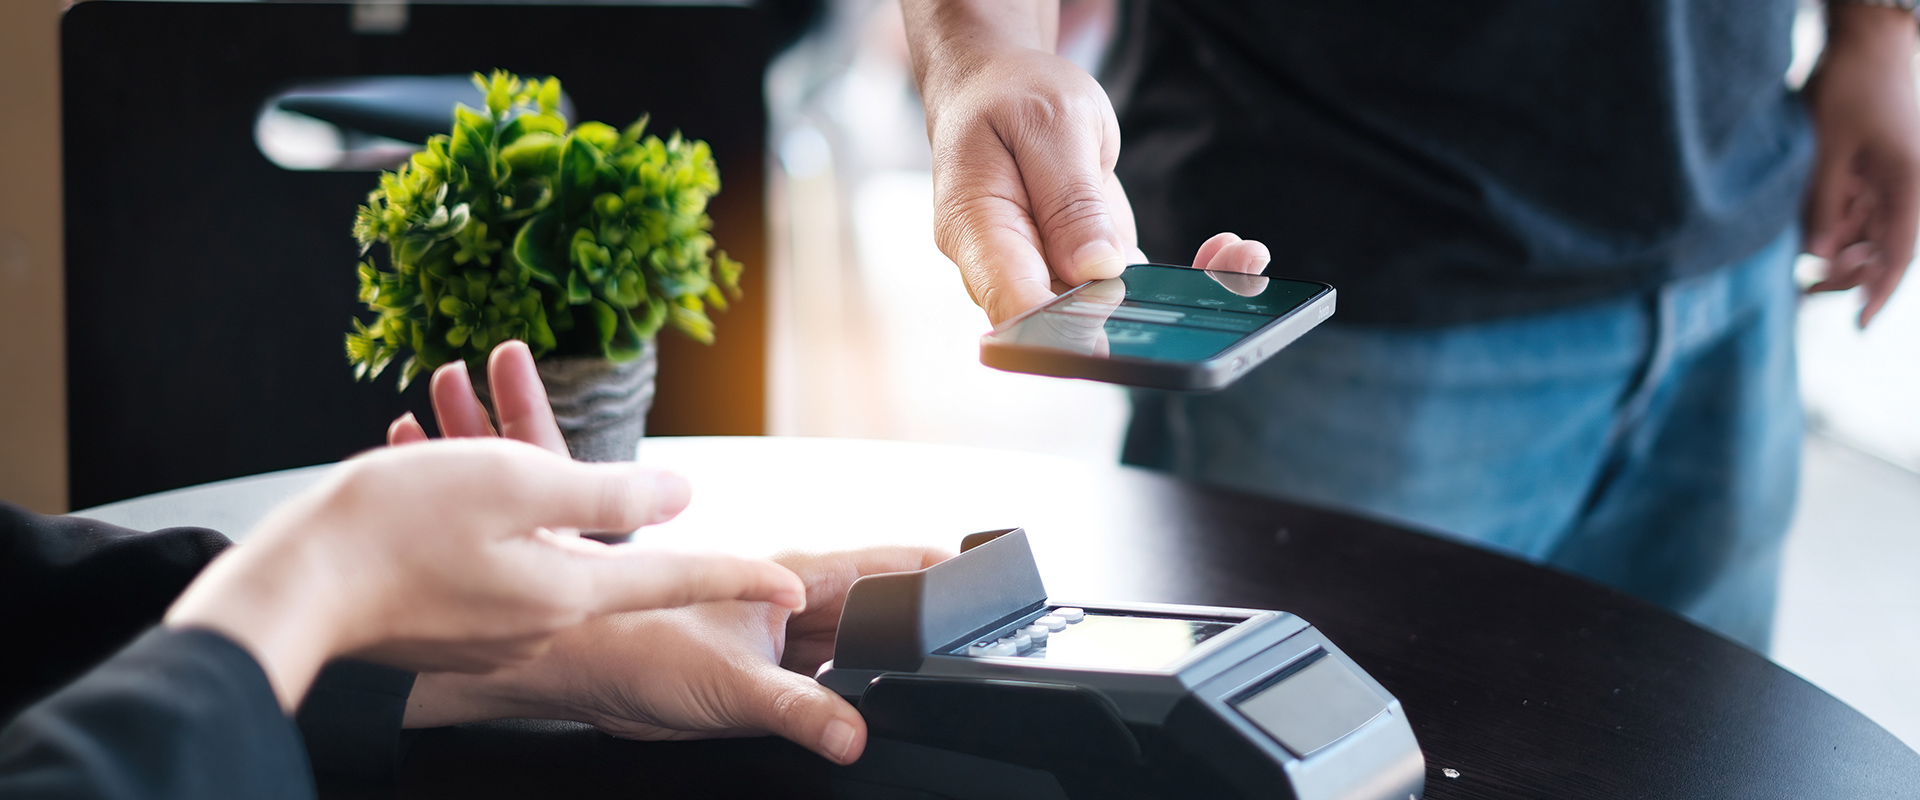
837 742
793 601
1097 259
671 493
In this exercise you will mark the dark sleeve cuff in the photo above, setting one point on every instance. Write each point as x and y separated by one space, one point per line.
351 722
75 591
177 714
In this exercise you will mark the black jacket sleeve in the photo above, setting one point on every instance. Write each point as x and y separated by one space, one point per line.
182 714
351 722
73 591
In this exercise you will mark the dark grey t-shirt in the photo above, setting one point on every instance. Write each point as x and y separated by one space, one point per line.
1443 162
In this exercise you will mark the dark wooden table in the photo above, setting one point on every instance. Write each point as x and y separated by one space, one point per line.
1525 682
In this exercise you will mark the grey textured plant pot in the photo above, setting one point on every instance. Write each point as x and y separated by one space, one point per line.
601 406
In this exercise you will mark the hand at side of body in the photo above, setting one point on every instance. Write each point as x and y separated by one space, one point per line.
716 669
444 556
1863 209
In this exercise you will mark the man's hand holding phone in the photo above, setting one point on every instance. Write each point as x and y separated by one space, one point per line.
1228 260
1025 198
1160 327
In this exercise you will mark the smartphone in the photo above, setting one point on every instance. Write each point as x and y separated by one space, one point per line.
1160 327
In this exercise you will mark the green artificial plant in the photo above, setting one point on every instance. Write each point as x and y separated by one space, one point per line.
579 242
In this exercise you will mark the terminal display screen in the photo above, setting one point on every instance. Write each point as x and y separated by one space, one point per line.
1311 707
1105 640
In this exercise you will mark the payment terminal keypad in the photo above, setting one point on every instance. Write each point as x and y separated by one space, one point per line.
1072 636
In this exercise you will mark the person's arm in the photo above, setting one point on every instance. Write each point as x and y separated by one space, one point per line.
1863 209
76 590
179 714
1024 146
351 724
457 555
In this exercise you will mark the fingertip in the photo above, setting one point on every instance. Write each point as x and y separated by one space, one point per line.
671 493
1095 260
446 371
510 346
843 739
446 382
1212 247
772 699
792 596
1013 299
511 357
405 430
511 352
1875 301
456 404
1247 255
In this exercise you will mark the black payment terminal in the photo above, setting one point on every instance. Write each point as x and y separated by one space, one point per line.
976 686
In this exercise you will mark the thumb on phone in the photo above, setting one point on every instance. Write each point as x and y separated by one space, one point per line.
1077 204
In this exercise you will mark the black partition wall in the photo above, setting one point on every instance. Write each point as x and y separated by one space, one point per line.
208 289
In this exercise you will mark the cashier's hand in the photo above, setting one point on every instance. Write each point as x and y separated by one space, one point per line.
450 556
1026 201
716 669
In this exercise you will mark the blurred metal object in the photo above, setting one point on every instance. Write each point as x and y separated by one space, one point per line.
363 124
380 17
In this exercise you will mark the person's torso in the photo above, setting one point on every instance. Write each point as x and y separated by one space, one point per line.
1445 162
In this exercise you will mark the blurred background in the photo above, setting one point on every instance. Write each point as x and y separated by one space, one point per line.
870 334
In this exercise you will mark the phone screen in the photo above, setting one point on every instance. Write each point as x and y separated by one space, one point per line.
1161 313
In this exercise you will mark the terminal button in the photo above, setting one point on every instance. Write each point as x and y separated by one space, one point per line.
1038 633
1052 622
1003 647
1071 615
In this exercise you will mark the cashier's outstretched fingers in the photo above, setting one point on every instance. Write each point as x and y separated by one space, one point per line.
444 556
519 398
711 670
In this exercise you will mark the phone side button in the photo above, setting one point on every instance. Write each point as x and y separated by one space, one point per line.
1238 364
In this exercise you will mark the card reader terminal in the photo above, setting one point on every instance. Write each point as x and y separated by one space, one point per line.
976 685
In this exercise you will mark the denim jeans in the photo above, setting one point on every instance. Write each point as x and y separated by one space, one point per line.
1650 443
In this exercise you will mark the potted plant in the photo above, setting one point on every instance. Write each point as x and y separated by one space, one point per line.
582 242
